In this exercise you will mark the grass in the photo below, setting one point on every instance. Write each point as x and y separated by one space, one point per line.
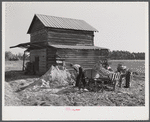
14 65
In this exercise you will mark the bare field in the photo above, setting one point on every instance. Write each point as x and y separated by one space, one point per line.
13 65
68 96
134 65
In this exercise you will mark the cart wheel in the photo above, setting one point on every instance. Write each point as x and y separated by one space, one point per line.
100 87
91 86
96 87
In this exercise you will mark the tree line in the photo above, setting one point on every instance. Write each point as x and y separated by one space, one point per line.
114 55
125 55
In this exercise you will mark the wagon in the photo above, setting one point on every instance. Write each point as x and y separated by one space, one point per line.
96 82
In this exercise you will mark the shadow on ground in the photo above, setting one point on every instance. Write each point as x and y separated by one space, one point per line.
16 75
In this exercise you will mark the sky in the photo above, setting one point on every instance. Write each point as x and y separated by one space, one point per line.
121 25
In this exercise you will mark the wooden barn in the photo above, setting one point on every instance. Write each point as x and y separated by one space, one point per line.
56 40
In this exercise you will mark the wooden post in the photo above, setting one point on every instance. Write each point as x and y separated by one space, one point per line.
23 60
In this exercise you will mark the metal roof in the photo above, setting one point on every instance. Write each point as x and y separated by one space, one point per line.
65 23
77 47
33 45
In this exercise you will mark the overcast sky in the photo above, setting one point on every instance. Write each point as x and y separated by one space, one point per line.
121 25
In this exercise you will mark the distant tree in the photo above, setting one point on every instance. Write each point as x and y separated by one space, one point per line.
20 56
126 55
8 55
13 57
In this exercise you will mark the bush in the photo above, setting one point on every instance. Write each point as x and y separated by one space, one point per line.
8 55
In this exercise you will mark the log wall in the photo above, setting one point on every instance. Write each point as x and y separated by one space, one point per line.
47 57
38 32
42 59
70 37
40 35
51 57
86 58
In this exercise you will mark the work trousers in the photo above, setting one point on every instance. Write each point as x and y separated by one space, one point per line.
80 78
128 79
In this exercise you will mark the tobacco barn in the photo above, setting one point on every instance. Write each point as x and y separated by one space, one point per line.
56 40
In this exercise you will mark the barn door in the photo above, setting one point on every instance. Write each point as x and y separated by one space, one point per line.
37 63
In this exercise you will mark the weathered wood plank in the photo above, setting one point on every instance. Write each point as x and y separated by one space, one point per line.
69 42
38 36
70 36
36 25
70 31
42 58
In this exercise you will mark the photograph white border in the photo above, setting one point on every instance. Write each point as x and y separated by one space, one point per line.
84 113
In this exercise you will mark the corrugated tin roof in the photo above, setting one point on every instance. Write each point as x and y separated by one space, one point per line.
65 23
77 47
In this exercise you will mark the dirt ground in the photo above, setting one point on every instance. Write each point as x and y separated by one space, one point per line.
69 96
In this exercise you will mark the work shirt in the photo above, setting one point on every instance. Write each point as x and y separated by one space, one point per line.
123 69
76 67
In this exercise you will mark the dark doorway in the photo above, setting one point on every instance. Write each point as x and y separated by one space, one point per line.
36 64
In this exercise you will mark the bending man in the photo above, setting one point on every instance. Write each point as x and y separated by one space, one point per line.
80 75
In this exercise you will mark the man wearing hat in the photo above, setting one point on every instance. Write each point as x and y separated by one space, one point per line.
80 76
125 73
106 66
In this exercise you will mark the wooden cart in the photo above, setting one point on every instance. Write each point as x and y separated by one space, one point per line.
96 82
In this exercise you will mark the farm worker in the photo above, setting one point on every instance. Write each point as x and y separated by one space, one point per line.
119 67
106 66
127 76
128 79
80 75
125 73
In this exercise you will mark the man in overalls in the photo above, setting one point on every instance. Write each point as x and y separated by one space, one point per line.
125 73
80 75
